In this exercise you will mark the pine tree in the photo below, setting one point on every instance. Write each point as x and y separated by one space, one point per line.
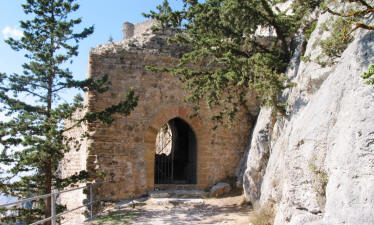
229 56
32 139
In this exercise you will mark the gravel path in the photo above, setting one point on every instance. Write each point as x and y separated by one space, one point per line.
211 211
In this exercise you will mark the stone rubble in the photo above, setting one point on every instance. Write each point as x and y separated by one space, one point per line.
219 189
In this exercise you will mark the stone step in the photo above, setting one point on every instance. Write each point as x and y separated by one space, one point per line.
177 194
187 201
175 187
131 202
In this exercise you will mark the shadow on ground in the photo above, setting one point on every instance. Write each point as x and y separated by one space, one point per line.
213 211
196 214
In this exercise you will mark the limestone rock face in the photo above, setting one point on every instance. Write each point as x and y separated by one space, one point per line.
257 160
317 164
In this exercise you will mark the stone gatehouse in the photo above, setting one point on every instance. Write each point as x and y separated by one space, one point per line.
127 148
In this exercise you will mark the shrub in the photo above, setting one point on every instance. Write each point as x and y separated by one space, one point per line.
264 215
320 180
369 75
334 45
309 30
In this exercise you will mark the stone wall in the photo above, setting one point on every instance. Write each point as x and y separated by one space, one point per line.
74 162
126 149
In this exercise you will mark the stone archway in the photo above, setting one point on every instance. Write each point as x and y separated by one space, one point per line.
175 153
165 115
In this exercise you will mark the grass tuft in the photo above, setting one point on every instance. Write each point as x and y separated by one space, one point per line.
117 218
264 215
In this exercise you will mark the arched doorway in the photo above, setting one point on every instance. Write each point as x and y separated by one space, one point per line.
175 154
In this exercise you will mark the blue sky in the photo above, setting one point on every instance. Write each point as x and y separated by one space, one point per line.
106 15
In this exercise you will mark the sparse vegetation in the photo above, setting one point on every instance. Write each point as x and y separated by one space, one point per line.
354 12
117 218
335 44
263 215
309 30
320 180
228 210
369 75
306 58
110 39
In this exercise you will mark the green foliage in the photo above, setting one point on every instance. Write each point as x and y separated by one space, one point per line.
349 16
32 137
303 9
334 45
355 12
110 39
306 58
309 30
125 107
227 57
369 75
117 218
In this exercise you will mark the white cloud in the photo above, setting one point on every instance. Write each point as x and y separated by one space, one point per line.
12 32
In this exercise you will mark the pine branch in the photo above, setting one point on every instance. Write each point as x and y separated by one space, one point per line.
16 105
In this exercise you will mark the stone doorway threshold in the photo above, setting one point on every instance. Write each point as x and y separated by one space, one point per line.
178 194
159 187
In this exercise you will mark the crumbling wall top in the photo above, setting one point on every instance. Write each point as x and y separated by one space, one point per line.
136 30
128 30
138 37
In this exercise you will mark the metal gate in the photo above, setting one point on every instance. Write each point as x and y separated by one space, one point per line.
164 168
175 158
164 158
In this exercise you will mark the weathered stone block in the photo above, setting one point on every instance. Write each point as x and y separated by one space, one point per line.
220 189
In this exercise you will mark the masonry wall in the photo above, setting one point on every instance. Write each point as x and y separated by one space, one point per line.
126 149
74 161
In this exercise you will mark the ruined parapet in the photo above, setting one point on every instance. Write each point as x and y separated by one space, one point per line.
131 30
128 30
140 37
141 28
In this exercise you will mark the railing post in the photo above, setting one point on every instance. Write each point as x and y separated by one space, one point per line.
53 195
91 202
53 208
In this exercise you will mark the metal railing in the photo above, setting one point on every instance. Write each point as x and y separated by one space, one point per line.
53 197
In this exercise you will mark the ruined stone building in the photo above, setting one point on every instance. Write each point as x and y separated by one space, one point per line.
188 153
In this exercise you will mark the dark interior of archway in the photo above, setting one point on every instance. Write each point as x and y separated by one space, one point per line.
179 166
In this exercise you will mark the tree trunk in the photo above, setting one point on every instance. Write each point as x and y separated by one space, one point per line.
48 188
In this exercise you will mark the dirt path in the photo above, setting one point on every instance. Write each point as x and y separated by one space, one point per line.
211 211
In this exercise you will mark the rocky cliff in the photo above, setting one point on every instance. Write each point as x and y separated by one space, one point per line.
316 165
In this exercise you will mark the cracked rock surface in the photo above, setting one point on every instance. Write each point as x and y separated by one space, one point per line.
317 164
